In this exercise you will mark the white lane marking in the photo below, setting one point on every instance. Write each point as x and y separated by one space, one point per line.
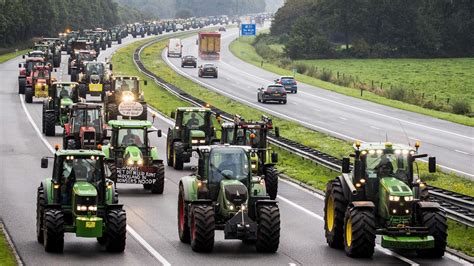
342 118
135 235
413 138
374 127
291 264
463 152
314 215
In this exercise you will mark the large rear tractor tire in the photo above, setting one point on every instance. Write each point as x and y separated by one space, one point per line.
119 41
40 203
359 233
29 94
335 206
183 226
435 220
178 154
73 75
268 229
49 124
169 149
112 111
271 181
144 115
116 234
53 231
202 228
159 183
21 85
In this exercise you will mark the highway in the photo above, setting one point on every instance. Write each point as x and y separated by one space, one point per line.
335 114
152 224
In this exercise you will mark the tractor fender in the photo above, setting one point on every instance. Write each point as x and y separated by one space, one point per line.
190 188
48 190
428 205
255 202
345 188
154 153
106 151
362 205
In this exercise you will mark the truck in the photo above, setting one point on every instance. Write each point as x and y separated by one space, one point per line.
209 45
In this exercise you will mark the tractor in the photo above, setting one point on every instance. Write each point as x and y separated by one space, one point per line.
94 79
55 49
84 128
224 195
38 83
33 60
116 35
254 134
104 38
46 49
79 199
383 195
125 97
193 127
130 157
76 65
57 106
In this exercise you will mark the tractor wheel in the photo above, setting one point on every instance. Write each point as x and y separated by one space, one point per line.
202 228
335 206
102 240
113 170
104 46
82 91
116 234
183 227
109 44
178 154
144 115
73 75
43 118
159 184
29 94
40 203
268 229
53 231
49 124
271 181
435 220
359 233
169 149
112 111
21 85
119 41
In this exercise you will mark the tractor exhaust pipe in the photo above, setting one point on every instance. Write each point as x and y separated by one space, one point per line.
349 183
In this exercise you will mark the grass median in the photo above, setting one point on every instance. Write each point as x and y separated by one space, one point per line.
303 170
8 56
6 254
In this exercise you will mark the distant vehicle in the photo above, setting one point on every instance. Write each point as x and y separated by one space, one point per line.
273 92
222 29
189 60
175 48
289 83
179 27
209 45
207 70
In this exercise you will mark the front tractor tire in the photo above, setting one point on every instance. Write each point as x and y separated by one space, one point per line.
159 183
359 233
183 226
112 111
53 230
49 124
116 232
202 228
21 85
40 203
29 94
271 181
144 115
268 229
436 222
178 155
335 206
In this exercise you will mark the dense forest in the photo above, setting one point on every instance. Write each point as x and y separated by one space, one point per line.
21 20
374 28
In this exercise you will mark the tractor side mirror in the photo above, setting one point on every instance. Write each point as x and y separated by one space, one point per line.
23 56
145 82
55 70
159 133
111 67
274 157
44 162
19 65
173 115
345 165
277 132
432 164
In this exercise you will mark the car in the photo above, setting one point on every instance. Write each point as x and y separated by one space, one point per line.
273 92
189 60
207 70
222 29
289 83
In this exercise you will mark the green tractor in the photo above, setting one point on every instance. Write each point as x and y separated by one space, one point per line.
79 199
125 97
56 108
254 134
94 79
383 195
193 128
224 195
130 157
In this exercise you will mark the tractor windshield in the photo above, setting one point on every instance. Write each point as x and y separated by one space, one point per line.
127 85
82 169
247 137
228 163
86 118
41 48
195 119
64 90
379 165
42 74
131 137
94 68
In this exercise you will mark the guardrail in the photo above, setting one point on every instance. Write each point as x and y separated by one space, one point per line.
457 206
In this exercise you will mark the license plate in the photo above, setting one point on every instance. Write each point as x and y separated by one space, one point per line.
276 94
95 87
288 87
90 224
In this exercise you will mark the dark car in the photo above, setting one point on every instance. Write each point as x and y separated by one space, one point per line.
289 83
189 60
207 70
273 92
222 29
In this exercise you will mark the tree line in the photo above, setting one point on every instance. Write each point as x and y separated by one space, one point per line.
375 28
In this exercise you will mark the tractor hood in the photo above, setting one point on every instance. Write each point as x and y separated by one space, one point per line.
197 134
133 153
84 189
66 102
234 192
395 187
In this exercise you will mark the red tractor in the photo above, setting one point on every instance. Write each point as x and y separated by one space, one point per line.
85 128
33 59
38 83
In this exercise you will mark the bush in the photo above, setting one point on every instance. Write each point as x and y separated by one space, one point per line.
461 106
397 93
433 105
326 75
284 63
301 68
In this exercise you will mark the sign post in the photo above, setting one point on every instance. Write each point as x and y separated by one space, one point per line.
248 30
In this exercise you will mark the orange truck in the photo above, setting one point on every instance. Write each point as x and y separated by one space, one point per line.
209 45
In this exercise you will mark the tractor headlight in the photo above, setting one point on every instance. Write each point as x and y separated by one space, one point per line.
194 141
92 208
231 207
202 141
394 198
140 162
128 98
81 208
130 162
408 198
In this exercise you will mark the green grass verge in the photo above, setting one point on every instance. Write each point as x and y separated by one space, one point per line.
460 237
243 49
6 254
290 164
8 56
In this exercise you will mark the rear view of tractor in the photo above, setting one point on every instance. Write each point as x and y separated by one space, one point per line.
38 83
254 134
32 60
125 98
223 195
131 159
57 107
79 199
193 128
84 128
383 195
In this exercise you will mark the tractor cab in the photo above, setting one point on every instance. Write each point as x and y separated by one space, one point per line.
57 107
93 77
64 93
84 129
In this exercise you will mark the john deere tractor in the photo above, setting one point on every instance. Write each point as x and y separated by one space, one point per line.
57 106
130 157
223 195
84 128
254 134
79 199
94 79
193 128
125 98
383 195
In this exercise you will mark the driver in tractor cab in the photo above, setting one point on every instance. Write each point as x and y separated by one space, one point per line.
227 167
124 86
131 138
68 179
252 139
193 122
64 92
385 167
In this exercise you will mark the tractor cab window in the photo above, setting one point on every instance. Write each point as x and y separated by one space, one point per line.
126 85
247 137
195 120
74 169
86 118
387 165
131 137
228 163
94 69
85 57
41 48
42 74
64 90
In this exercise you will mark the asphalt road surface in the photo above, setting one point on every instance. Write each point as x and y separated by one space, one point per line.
338 115
152 219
